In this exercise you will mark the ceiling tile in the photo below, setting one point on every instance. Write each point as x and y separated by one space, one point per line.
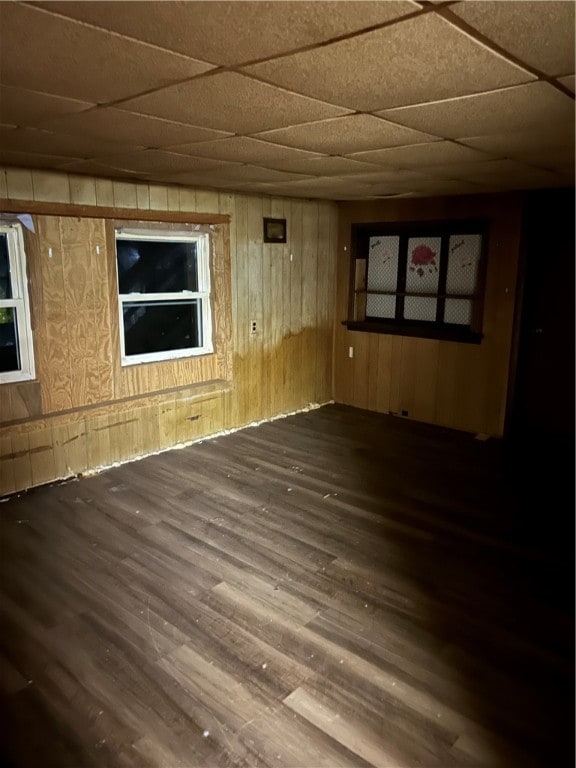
410 62
334 166
231 102
426 187
28 108
420 155
108 123
532 106
247 150
569 81
153 161
46 143
227 175
30 160
327 188
55 55
540 34
383 176
94 168
232 32
346 135
242 149
550 148
504 173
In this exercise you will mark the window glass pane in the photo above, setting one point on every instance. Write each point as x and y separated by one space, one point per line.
416 308
463 260
423 264
5 281
383 263
161 326
458 311
9 356
147 266
378 305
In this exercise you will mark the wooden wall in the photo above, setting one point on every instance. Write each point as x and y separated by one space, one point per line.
84 411
456 385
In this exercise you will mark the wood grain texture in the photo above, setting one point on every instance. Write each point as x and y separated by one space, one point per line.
337 588
286 365
455 385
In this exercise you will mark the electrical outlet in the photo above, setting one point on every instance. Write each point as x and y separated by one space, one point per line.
253 326
350 351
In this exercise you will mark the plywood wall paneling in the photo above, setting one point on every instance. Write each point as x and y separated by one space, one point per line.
269 250
150 437
221 308
173 195
424 394
42 456
104 192
257 386
21 466
158 197
72 453
395 381
59 438
20 401
361 365
95 412
309 287
382 376
207 201
456 385
227 205
278 270
78 298
294 374
143 197
7 482
19 184
324 299
241 328
82 190
105 331
124 194
187 199
51 186
167 416
373 382
51 342
3 184
99 450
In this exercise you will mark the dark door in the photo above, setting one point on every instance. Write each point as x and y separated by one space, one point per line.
543 400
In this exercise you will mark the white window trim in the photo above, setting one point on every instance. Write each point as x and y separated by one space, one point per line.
202 241
20 302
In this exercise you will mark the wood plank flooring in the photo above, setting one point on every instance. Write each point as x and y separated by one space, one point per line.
338 588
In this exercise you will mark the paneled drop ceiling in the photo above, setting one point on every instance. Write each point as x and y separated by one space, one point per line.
336 100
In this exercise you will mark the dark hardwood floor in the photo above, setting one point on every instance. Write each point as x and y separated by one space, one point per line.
338 588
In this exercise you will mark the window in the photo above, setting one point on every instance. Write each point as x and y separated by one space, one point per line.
164 294
418 279
16 350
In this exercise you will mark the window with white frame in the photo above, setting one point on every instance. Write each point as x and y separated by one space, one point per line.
164 294
16 349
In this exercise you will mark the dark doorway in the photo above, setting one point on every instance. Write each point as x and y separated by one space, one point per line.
540 432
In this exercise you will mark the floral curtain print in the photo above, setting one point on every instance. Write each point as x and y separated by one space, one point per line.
423 258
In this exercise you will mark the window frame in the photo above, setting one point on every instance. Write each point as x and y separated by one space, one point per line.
20 301
203 294
437 329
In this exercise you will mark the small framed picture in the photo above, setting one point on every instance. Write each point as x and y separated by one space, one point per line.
274 230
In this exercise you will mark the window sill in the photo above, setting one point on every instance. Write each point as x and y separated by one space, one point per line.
442 333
